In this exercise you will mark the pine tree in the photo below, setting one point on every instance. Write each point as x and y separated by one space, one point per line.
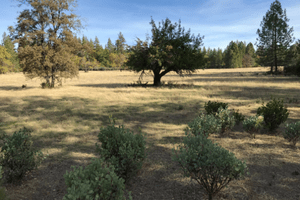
5 64
250 50
204 51
4 37
46 42
120 44
249 57
232 56
14 56
219 60
275 37
213 58
293 56
111 48
97 44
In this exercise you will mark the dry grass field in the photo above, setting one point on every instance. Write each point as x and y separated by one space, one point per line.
66 121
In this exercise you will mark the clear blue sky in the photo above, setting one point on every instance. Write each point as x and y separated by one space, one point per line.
220 21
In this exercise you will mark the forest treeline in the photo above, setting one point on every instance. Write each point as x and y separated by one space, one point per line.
93 56
49 48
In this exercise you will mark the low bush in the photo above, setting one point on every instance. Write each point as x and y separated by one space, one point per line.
292 132
210 165
45 85
2 189
226 119
274 114
18 156
205 125
211 108
123 149
238 117
253 124
97 181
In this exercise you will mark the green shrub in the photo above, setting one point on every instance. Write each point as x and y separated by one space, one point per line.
204 124
253 124
292 132
238 117
2 189
210 165
97 181
274 114
17 156
45 85
211 108
123 149
226 119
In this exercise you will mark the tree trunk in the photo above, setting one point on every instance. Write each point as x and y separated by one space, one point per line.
52 81
271 69
157 78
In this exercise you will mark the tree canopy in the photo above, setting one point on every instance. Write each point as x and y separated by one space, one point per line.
171 49
274 38
46 42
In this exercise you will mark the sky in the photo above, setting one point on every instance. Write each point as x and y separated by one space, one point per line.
219 21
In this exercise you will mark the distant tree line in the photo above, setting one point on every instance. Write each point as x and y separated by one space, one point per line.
236 55
49 49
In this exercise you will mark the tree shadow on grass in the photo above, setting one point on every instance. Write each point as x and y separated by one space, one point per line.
154 180
167 85
13 88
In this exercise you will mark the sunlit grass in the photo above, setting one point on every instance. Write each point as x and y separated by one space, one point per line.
66 120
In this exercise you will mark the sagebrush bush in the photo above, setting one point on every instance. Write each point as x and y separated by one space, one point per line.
205 125
123 149
211 108
292 132
238 117
210 165
18 156
226 119
274 114
97 181
253 124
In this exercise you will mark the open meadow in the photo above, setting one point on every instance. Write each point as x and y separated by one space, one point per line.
66 121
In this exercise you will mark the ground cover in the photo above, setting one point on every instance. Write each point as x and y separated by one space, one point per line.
66 121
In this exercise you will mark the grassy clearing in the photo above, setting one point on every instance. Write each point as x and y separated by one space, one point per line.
66 121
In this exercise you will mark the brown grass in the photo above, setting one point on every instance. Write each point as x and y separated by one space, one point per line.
66 123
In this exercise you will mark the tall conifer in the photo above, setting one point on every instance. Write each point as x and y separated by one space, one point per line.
275 37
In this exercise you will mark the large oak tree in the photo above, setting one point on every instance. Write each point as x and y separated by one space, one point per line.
171 49
46 43
275 37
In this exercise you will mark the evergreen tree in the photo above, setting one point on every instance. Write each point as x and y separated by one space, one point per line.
120 44
293 56
250 50
14 56
97 44
111 48
249 57
213 58
219 59
232 56
204 51
275 37
4 37
242 48
46 42
225 57
5 64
